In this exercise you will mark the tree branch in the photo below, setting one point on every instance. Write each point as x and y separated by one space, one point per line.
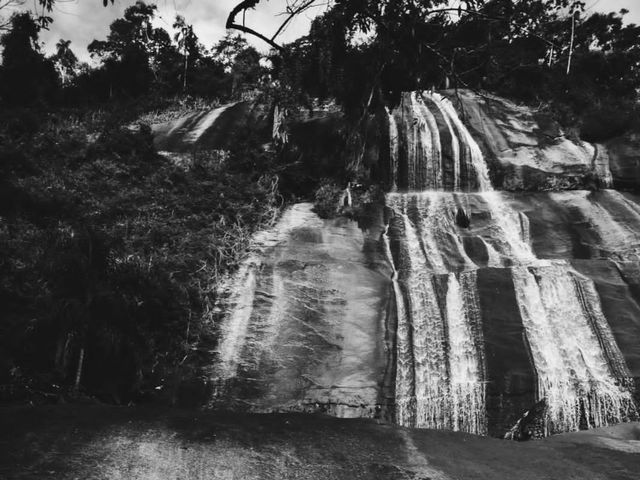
292 13
243 7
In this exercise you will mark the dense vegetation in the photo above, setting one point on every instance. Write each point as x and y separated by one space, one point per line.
136 59
554 54
110 254
114 251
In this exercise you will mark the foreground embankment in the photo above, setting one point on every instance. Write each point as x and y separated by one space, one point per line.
98 442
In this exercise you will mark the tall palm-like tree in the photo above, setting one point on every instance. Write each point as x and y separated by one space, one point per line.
187 44
65 61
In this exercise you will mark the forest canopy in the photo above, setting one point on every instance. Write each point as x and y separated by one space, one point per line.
361 53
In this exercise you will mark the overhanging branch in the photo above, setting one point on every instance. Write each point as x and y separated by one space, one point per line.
243 7
292 13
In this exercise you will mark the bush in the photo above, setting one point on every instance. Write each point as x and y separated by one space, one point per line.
327 199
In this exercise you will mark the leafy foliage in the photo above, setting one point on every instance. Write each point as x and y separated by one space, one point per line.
26 76
326 199
545 52
110 248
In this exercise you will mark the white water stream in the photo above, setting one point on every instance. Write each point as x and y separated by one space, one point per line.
440 380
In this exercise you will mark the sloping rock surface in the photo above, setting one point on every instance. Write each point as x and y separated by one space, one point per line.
306 323
96 443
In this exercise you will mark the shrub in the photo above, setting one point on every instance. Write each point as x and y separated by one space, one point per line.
327 199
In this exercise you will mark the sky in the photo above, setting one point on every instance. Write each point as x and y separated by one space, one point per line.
81 21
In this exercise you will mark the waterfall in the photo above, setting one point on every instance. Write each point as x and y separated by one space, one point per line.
440 381
472 154
455 144
421 152
509 229
433 156
302 328
404 385
590 301
433 219
494 260
466 363
346 199
429 354
394 148
573 372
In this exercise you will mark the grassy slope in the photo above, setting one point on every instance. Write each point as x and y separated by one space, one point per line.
108 246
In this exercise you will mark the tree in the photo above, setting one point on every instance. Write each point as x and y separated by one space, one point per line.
239 60
227 49
26 76
134 30
65 61
363 14
246 70
6 5
293 9
127 53
188 44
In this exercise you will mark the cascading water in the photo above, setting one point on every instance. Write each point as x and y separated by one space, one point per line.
466 363
480 329
393 149
472 155
404 385
574 373
440 381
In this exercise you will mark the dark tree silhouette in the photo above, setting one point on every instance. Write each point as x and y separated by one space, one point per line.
26 76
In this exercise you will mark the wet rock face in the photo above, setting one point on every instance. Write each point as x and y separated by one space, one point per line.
466 307
431 148
472 333
208 130
547 325
453 348
526 150
306 324
624 157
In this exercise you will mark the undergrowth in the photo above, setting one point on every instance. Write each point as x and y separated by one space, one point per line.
110 254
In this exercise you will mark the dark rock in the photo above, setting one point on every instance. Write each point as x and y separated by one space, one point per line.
532 425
